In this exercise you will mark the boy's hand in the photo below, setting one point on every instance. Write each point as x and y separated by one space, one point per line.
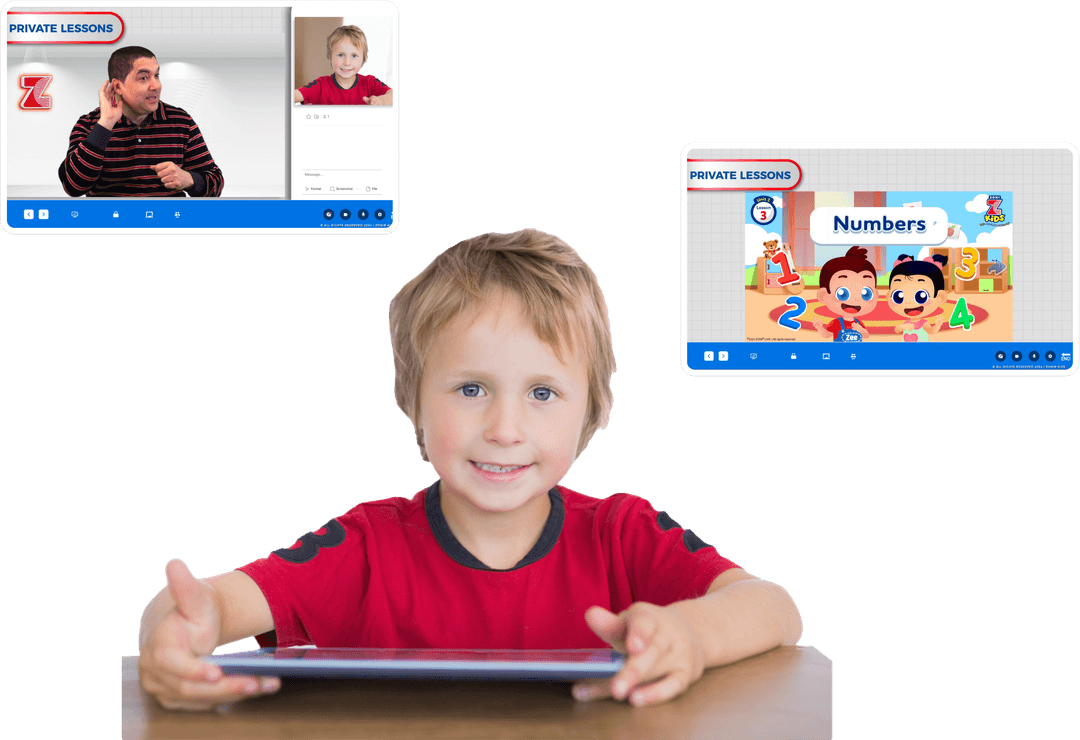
172 176
387 99
663 658
169 665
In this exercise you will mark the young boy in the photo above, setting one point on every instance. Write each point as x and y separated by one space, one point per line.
347 50
849 290
503 362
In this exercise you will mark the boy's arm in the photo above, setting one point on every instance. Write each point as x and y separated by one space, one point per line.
297 96
187 620
669 647
385 99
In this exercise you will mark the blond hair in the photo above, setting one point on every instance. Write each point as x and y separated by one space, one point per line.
558 291
355 36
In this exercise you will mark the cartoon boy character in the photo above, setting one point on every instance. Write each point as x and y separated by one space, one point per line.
849 290
916 289
347 50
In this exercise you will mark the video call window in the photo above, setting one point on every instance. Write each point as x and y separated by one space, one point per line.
893 259
281 117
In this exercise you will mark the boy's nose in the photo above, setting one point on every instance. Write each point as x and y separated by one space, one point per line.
504 423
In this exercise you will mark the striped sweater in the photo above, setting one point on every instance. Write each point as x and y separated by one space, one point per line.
117 163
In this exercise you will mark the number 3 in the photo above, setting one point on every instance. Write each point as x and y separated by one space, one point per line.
969 262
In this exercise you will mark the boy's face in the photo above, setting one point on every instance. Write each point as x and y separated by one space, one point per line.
141 90
346 60
500 413
912 296
851 295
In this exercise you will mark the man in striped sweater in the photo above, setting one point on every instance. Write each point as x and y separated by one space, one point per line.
133 144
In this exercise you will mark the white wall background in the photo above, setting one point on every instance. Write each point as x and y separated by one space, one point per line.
234 82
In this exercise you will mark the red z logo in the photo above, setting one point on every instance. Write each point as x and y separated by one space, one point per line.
994 203
35 97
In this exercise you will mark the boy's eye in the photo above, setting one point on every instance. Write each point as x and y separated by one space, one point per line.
867 293
897 297
842 294
922 297
471 390
541 394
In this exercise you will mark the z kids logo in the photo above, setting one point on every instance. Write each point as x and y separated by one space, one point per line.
35 97
994 214
311 543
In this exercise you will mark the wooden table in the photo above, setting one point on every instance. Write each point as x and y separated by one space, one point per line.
784 693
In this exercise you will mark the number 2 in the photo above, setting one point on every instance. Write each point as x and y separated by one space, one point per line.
798 308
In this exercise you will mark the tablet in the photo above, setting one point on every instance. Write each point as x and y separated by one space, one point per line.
543 665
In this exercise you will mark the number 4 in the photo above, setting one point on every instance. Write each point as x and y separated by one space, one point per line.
961 316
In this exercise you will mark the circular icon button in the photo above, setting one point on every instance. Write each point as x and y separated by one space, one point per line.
1000 355
1017 355
380 214
328 214
362 214
1033 356
1051 355
346 214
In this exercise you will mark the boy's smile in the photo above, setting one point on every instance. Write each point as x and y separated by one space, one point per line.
501 414
346 60
851 294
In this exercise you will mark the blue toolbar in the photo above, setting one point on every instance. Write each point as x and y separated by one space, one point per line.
199 213
879 356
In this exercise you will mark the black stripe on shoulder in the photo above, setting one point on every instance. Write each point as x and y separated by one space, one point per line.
665 522
313 83
311 543
693 542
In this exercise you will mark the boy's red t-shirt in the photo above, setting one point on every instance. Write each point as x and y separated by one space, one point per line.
326 91
391 574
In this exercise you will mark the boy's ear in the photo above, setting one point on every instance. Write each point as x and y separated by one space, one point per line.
821 293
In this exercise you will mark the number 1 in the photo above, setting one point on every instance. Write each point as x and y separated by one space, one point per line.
789 276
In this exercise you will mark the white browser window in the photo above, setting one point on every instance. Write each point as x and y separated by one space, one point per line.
837 259
242 121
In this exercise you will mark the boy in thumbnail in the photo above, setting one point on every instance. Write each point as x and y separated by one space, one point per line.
347 50
503 360
133 143
916 289
849 290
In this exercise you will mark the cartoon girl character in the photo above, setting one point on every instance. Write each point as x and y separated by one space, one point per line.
916 289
